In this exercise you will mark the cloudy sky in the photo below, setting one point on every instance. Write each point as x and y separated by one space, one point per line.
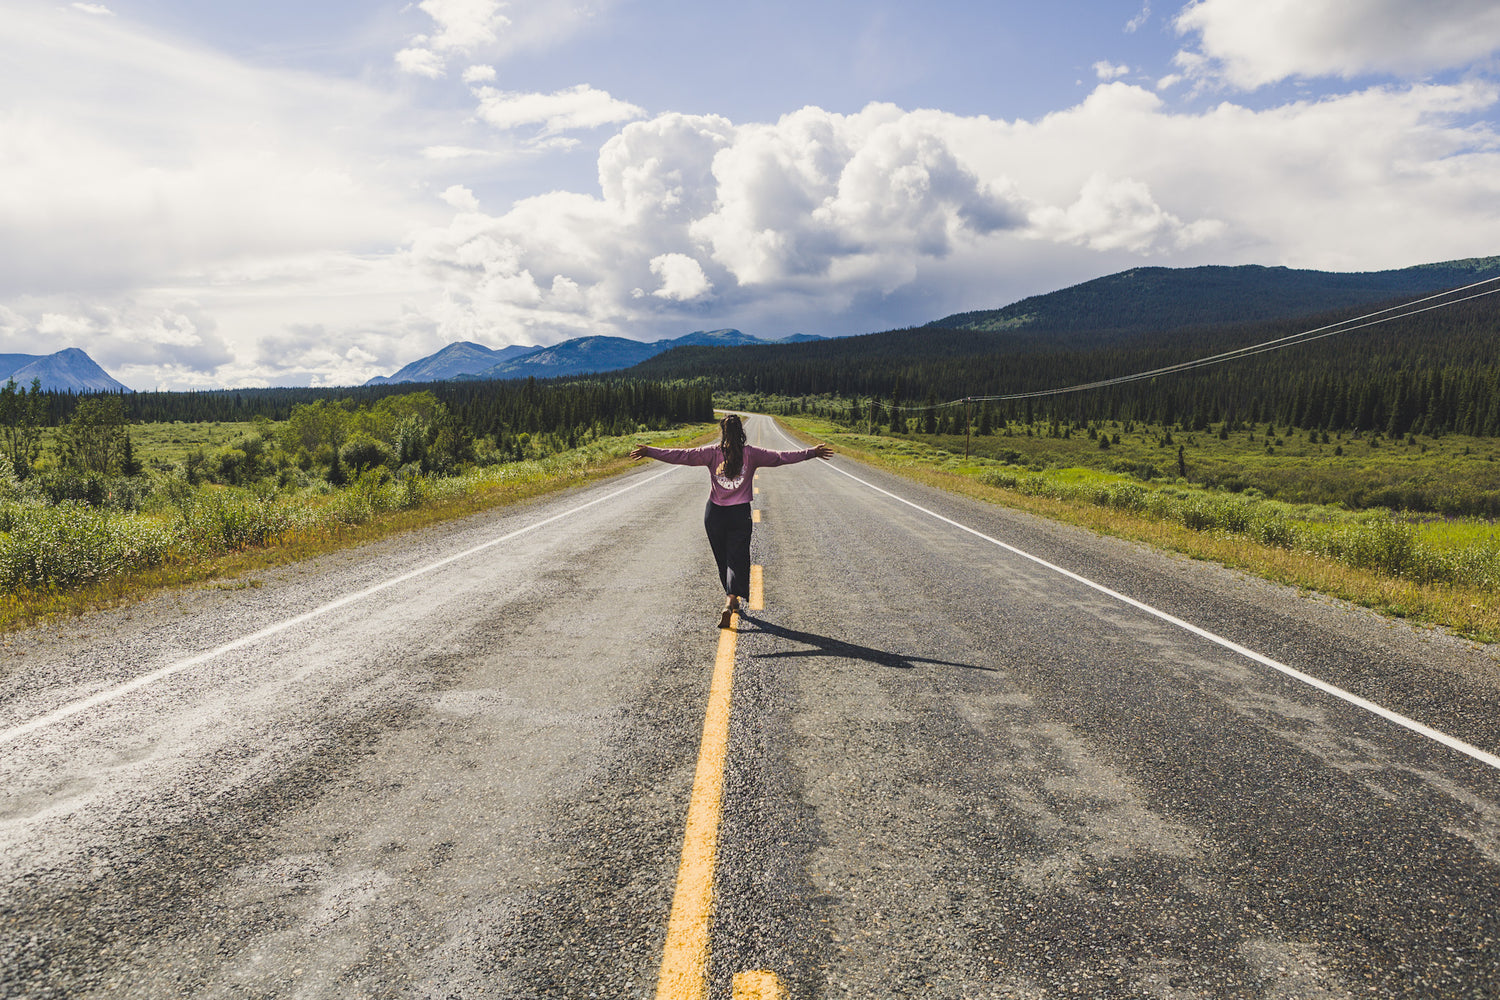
279 193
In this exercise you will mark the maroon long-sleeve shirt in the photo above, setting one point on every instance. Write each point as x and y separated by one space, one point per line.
728 491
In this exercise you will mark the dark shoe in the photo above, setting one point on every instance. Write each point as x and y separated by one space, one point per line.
726 618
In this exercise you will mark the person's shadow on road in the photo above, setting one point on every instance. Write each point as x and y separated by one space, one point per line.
823 645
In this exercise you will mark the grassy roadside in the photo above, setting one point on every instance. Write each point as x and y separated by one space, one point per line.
1466 610
502 486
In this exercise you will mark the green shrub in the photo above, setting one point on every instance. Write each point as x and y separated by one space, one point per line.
1125 496
411 441
1268 527
69 544
999 479
228 519
230 465
363 453
1476 565
413 492
10 483
1380 543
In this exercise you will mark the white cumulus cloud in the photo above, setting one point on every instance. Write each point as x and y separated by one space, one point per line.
421 62
682 277
660 172
1368 179
1106 70
462 27
1119 214
868 192
461 198
579 107
490 29
1252 44
820 213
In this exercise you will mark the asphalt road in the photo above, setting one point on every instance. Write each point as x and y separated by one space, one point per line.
951 771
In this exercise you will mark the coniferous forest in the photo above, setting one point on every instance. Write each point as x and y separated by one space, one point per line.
492 409
1434 373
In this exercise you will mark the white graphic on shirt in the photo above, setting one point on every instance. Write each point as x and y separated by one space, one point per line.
729 484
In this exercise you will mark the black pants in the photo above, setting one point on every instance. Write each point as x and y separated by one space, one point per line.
729 535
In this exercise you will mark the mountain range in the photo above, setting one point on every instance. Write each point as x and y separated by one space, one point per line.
1091 314
1109 310
69 370
579 356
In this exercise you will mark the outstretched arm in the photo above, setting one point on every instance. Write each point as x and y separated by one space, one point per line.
765 457
676 456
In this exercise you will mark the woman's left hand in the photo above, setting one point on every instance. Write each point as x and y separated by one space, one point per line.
639 451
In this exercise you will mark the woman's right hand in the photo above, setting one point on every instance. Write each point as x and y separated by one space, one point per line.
822 451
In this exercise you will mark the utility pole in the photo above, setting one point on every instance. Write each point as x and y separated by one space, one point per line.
966 428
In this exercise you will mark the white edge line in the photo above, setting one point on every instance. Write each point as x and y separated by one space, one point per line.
1451 742
109 694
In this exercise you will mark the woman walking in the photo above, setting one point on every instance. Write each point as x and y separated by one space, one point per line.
731 464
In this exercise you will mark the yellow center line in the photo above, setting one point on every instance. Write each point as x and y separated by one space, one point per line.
757 600
684 962
757 986
755 515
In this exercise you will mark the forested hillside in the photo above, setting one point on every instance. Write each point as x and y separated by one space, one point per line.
1437 372
1161 298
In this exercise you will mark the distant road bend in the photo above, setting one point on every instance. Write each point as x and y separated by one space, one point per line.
951 750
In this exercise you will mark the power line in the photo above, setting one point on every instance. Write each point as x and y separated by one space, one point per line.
1403 311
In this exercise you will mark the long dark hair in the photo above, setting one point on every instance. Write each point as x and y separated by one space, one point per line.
732 444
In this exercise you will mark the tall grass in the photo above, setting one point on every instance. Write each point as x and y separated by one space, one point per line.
1377 540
